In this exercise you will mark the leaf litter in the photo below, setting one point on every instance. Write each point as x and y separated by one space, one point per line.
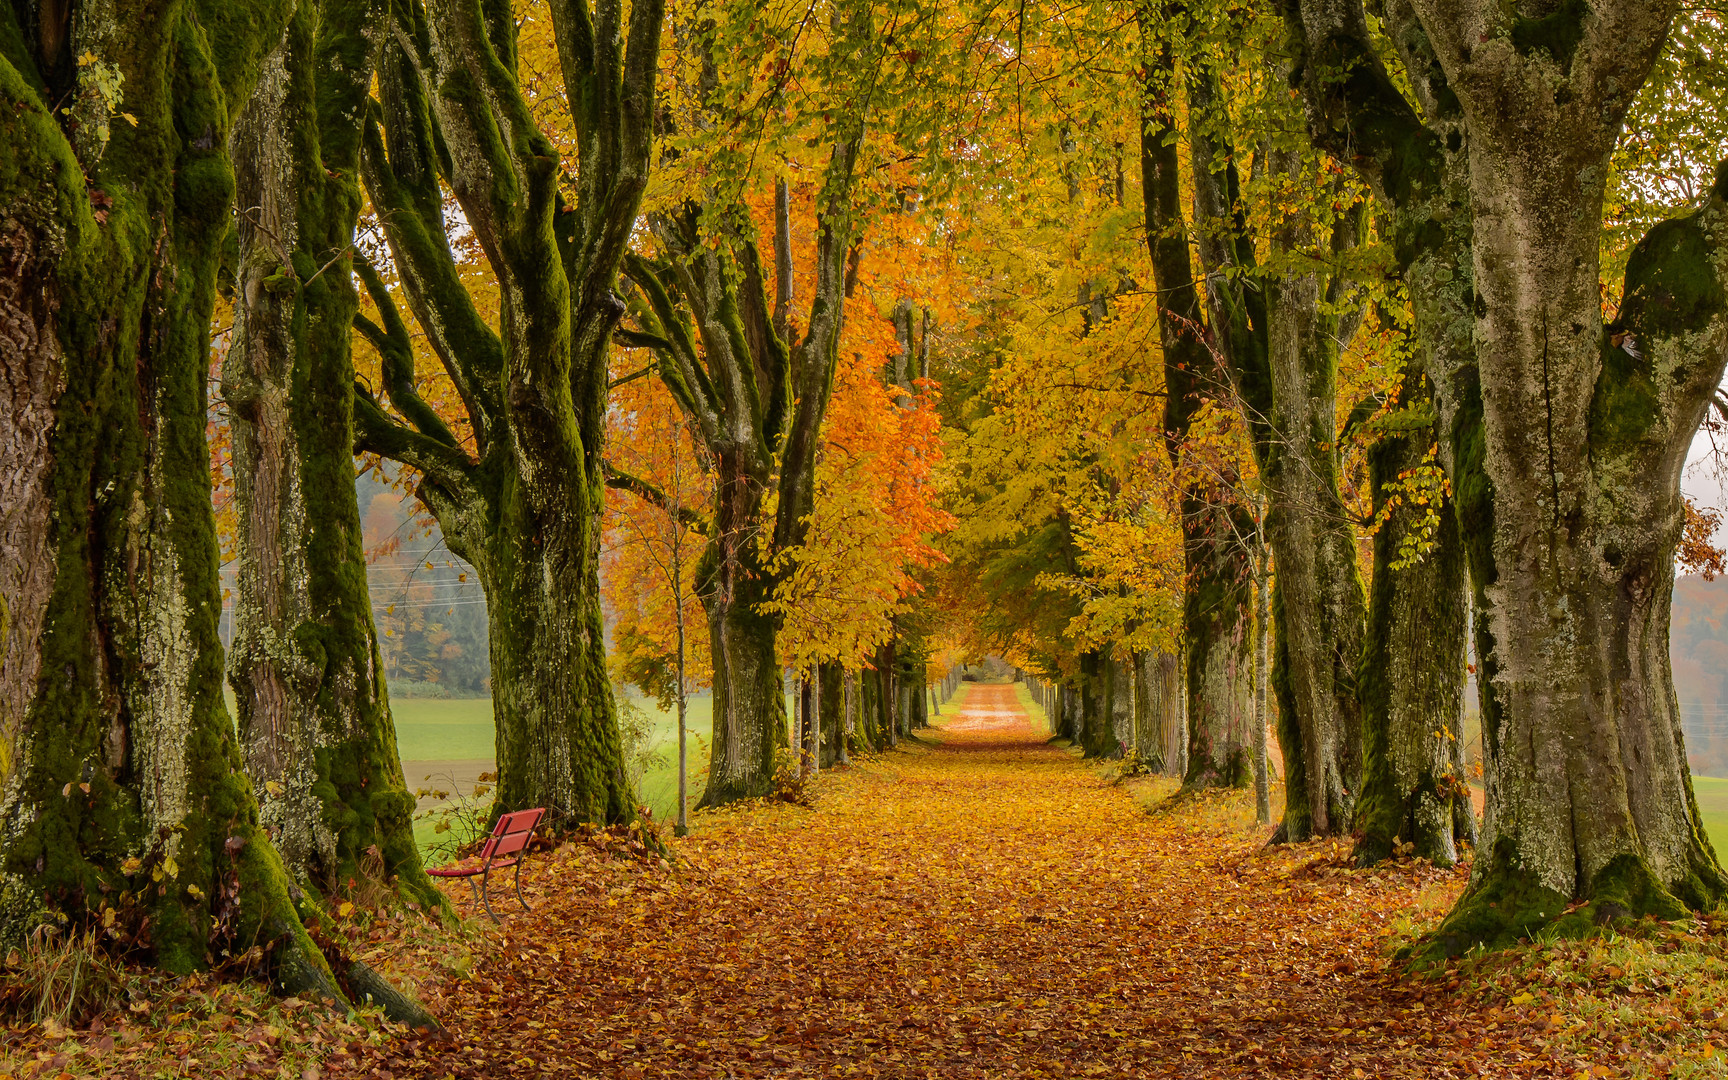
979 904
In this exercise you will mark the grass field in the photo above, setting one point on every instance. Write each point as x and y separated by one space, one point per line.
448 737
1712 795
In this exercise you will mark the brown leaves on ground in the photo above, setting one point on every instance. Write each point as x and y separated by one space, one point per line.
982 905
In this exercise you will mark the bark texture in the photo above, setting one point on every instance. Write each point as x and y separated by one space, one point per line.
314 717
519 494
1412 679
121 772
1279 336
1568 476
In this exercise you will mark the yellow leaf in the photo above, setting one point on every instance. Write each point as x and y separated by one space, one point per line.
345 909
272 787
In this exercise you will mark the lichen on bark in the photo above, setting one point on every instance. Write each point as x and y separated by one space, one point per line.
314 717
124 786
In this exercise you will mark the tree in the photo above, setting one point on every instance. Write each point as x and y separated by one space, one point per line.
123 779
1216 642
523 506
755 385
314 718
1568 476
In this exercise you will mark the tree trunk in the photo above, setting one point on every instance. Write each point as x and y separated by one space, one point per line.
314 717
1585 430
1220 649
1313 540
1122 703
1217 590
1095 717
848 726
1422 189
1262 636
833 711
812 748
1412 676
1279 336
121 773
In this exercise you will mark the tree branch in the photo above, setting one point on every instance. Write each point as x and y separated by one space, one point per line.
396 350
623 481
376 433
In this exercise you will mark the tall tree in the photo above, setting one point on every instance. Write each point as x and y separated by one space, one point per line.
522 503
1275 246
1583 430
1217 643
121 771
1415 617
314 718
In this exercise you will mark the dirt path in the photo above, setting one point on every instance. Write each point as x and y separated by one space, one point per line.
980 905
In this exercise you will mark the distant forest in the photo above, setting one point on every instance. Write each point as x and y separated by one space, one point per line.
430 609
1699 646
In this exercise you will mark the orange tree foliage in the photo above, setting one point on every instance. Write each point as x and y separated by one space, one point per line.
878 473
875 513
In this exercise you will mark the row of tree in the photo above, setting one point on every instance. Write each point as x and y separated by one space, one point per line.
557 198
418 232
1435 301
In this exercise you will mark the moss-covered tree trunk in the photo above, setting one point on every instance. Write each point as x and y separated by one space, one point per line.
832 713
314 717
1418 167
519 495
120 769
1279 336
1585 430
1412 677
1568 483
749 693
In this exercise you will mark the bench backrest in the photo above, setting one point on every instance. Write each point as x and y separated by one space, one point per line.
511 834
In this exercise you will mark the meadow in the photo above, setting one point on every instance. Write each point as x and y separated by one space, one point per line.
445 743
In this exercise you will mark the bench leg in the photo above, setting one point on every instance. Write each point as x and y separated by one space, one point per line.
485 882
519 899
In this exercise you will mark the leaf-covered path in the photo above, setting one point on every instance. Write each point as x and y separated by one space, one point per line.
979 905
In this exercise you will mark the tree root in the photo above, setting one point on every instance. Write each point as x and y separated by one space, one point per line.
1507 904
367 987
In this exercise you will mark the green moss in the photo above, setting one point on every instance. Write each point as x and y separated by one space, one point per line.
1556 34
1626 409
1671 284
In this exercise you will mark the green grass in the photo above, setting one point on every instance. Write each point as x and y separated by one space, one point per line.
437 729
1712 793
432 730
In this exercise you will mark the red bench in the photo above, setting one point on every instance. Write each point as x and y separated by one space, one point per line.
505 848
